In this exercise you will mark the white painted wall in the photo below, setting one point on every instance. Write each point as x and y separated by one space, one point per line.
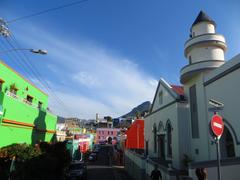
202 28
201 144
206 53
165 100
177 114
226 90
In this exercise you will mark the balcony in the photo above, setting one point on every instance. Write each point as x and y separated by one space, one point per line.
188 71
22 100
216 39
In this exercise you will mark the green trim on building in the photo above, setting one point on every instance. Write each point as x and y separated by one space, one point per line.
25 118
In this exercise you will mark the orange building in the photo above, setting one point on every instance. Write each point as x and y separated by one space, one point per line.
135 135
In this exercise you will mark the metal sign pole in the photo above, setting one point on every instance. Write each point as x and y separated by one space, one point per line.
218 158
217 106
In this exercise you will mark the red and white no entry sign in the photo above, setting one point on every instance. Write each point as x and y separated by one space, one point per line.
217 125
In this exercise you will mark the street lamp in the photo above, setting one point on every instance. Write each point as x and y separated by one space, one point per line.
36 51
39 51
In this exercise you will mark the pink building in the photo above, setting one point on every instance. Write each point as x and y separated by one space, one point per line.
103 134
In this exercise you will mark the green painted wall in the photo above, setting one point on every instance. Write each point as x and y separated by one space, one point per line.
17 110
24 87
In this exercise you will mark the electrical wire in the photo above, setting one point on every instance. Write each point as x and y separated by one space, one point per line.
13 57
47 10
38 75
24 58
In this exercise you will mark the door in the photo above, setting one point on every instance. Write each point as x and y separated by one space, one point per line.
161 146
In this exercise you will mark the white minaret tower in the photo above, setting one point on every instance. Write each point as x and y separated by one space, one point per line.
205 49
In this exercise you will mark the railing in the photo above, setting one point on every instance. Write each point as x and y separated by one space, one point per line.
20 99
12 95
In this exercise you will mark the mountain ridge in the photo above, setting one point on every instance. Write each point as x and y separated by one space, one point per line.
142 109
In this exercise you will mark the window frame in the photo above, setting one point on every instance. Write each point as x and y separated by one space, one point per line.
40 104
29 97
160 97
169 140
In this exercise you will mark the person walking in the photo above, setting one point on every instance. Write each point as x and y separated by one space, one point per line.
201 173
156 174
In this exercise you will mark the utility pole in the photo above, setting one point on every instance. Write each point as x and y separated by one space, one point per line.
4 31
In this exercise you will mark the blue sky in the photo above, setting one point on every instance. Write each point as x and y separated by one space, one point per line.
106 56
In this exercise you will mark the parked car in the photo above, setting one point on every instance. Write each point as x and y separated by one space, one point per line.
77 170
92 156
96 149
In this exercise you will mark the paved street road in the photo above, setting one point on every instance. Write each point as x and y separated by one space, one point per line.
102 170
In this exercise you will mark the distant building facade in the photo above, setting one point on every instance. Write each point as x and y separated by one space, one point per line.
72 126
102 134
135 135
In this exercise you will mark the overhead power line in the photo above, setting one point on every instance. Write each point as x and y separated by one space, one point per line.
47 10
32 71
39 76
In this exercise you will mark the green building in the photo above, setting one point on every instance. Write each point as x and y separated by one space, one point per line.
24 115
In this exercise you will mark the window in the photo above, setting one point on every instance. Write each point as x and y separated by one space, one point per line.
108 132
29 99
14 91
169 140
160 96
39 104
155 138
227 144
111 132
194 112
190 59
99 137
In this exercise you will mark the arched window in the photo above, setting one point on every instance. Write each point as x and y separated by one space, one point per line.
155 137
160 127
169 139
227 144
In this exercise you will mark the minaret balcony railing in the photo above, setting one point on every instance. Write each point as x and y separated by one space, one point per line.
208 39
191 69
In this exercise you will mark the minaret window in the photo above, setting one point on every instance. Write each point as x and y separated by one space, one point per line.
190 59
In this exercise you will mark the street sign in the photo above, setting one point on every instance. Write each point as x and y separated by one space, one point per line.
217 125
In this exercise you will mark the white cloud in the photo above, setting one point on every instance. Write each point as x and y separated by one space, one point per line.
98 80
86 79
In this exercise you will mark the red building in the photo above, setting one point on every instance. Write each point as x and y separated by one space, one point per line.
135 135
